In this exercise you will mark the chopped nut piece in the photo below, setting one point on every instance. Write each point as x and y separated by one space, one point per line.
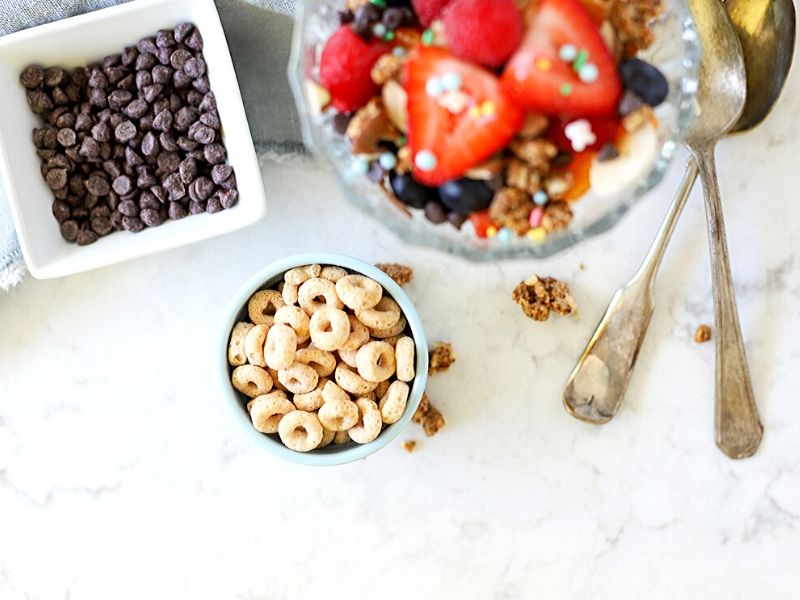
512 208
534 126
369 126
486 171
703 334
395 101
409 446
557 185
537 153
557 215
631 20
428 416
440 357
636 119
387 67
403 160
521 176
318 95
401 274
539 295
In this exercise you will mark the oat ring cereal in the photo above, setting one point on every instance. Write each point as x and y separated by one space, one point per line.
317 293
329 328
300 430
254 345
340 415
311 401
369 422
296 318
359 292
393 403
383 315
236 352
359 334
300 275
352 382
404 351
348 357
298 378
375 361
266 411
280 347
332 273
263 305
333 393
251 380
288 292
327 437
324 363
390 332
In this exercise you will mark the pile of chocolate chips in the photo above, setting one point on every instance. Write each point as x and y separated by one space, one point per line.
133 141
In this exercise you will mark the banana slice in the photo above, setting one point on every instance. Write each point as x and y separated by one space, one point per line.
637 152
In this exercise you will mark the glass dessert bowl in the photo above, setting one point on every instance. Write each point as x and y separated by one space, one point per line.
508 147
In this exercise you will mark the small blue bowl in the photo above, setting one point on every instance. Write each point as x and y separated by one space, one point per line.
269 277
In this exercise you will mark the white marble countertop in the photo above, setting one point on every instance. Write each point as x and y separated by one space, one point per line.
122 474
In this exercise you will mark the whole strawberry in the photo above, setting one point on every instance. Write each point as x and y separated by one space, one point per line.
483 31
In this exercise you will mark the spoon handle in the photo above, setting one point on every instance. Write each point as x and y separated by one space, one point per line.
738 427
598 382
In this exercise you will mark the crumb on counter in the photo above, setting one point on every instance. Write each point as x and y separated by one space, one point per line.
429 417
401 274
409 446
440 358
702 334
539 295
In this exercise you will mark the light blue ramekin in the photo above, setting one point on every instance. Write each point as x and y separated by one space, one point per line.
237 311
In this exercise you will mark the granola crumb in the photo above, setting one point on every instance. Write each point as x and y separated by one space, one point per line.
703 334
401 274
511 208
582 267
409 446
429 417
440 357
631 20
538 296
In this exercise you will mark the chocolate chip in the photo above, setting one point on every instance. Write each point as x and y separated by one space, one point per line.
195 41
97 97
167 141
146 178
127 83
101 132
69 230
209 102
152 91
210 118
195 67
39 102
98 79
129 55
32 77
147 45
180 79
132 224
220 173
90 201
112 168
435 213
202 84
129 208
160 194
341 121
53 76
179 58
97 185
115 119
214 205
56 178
111 60
229 183
116 220
149 144
116 75
174 187
125 131
145 60
214 153
123 185
150 217
66 120
165 38
132 158
228 198
163 55
184 143
73 92
137 109
168 162
67 137
163 121
176 211
101 225
61 211
83 122
118 98
200 189
194 98
148 200
162 74
79 214
182 31
60 97
86 237
47 154
101 210
143 79
202 133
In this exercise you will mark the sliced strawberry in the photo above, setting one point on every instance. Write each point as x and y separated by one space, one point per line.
456 130
486 32
344 68
481 222
537 79
428 10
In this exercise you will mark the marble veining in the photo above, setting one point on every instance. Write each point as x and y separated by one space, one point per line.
122 475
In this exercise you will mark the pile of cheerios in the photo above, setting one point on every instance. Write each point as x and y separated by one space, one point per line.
333 346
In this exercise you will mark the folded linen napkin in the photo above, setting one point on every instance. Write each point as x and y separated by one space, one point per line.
259 36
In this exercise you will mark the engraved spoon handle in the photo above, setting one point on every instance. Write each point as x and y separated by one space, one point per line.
737 424
595 389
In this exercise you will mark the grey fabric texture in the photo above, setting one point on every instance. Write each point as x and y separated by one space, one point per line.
259 36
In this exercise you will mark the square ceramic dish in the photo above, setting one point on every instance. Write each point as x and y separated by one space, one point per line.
79 41
269 277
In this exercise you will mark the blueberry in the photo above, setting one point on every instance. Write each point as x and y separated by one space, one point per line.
409 191
466 196
644 80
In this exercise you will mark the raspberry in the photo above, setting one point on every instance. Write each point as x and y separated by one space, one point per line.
428 10
483 31
345 67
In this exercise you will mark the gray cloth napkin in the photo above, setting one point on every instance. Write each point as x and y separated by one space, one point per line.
259 36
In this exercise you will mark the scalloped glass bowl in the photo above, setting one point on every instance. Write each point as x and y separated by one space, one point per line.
676 52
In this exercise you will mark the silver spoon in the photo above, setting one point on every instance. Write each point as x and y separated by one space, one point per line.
596 386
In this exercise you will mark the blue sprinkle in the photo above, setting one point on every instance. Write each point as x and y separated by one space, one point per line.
434 87
504 235
588 73
399 51
388 161
452 81
567 53
360 165
425 160
379 30
540 198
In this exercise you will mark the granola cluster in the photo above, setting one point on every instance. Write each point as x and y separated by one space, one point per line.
538 296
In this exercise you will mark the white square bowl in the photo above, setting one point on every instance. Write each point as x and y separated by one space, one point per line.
77 42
